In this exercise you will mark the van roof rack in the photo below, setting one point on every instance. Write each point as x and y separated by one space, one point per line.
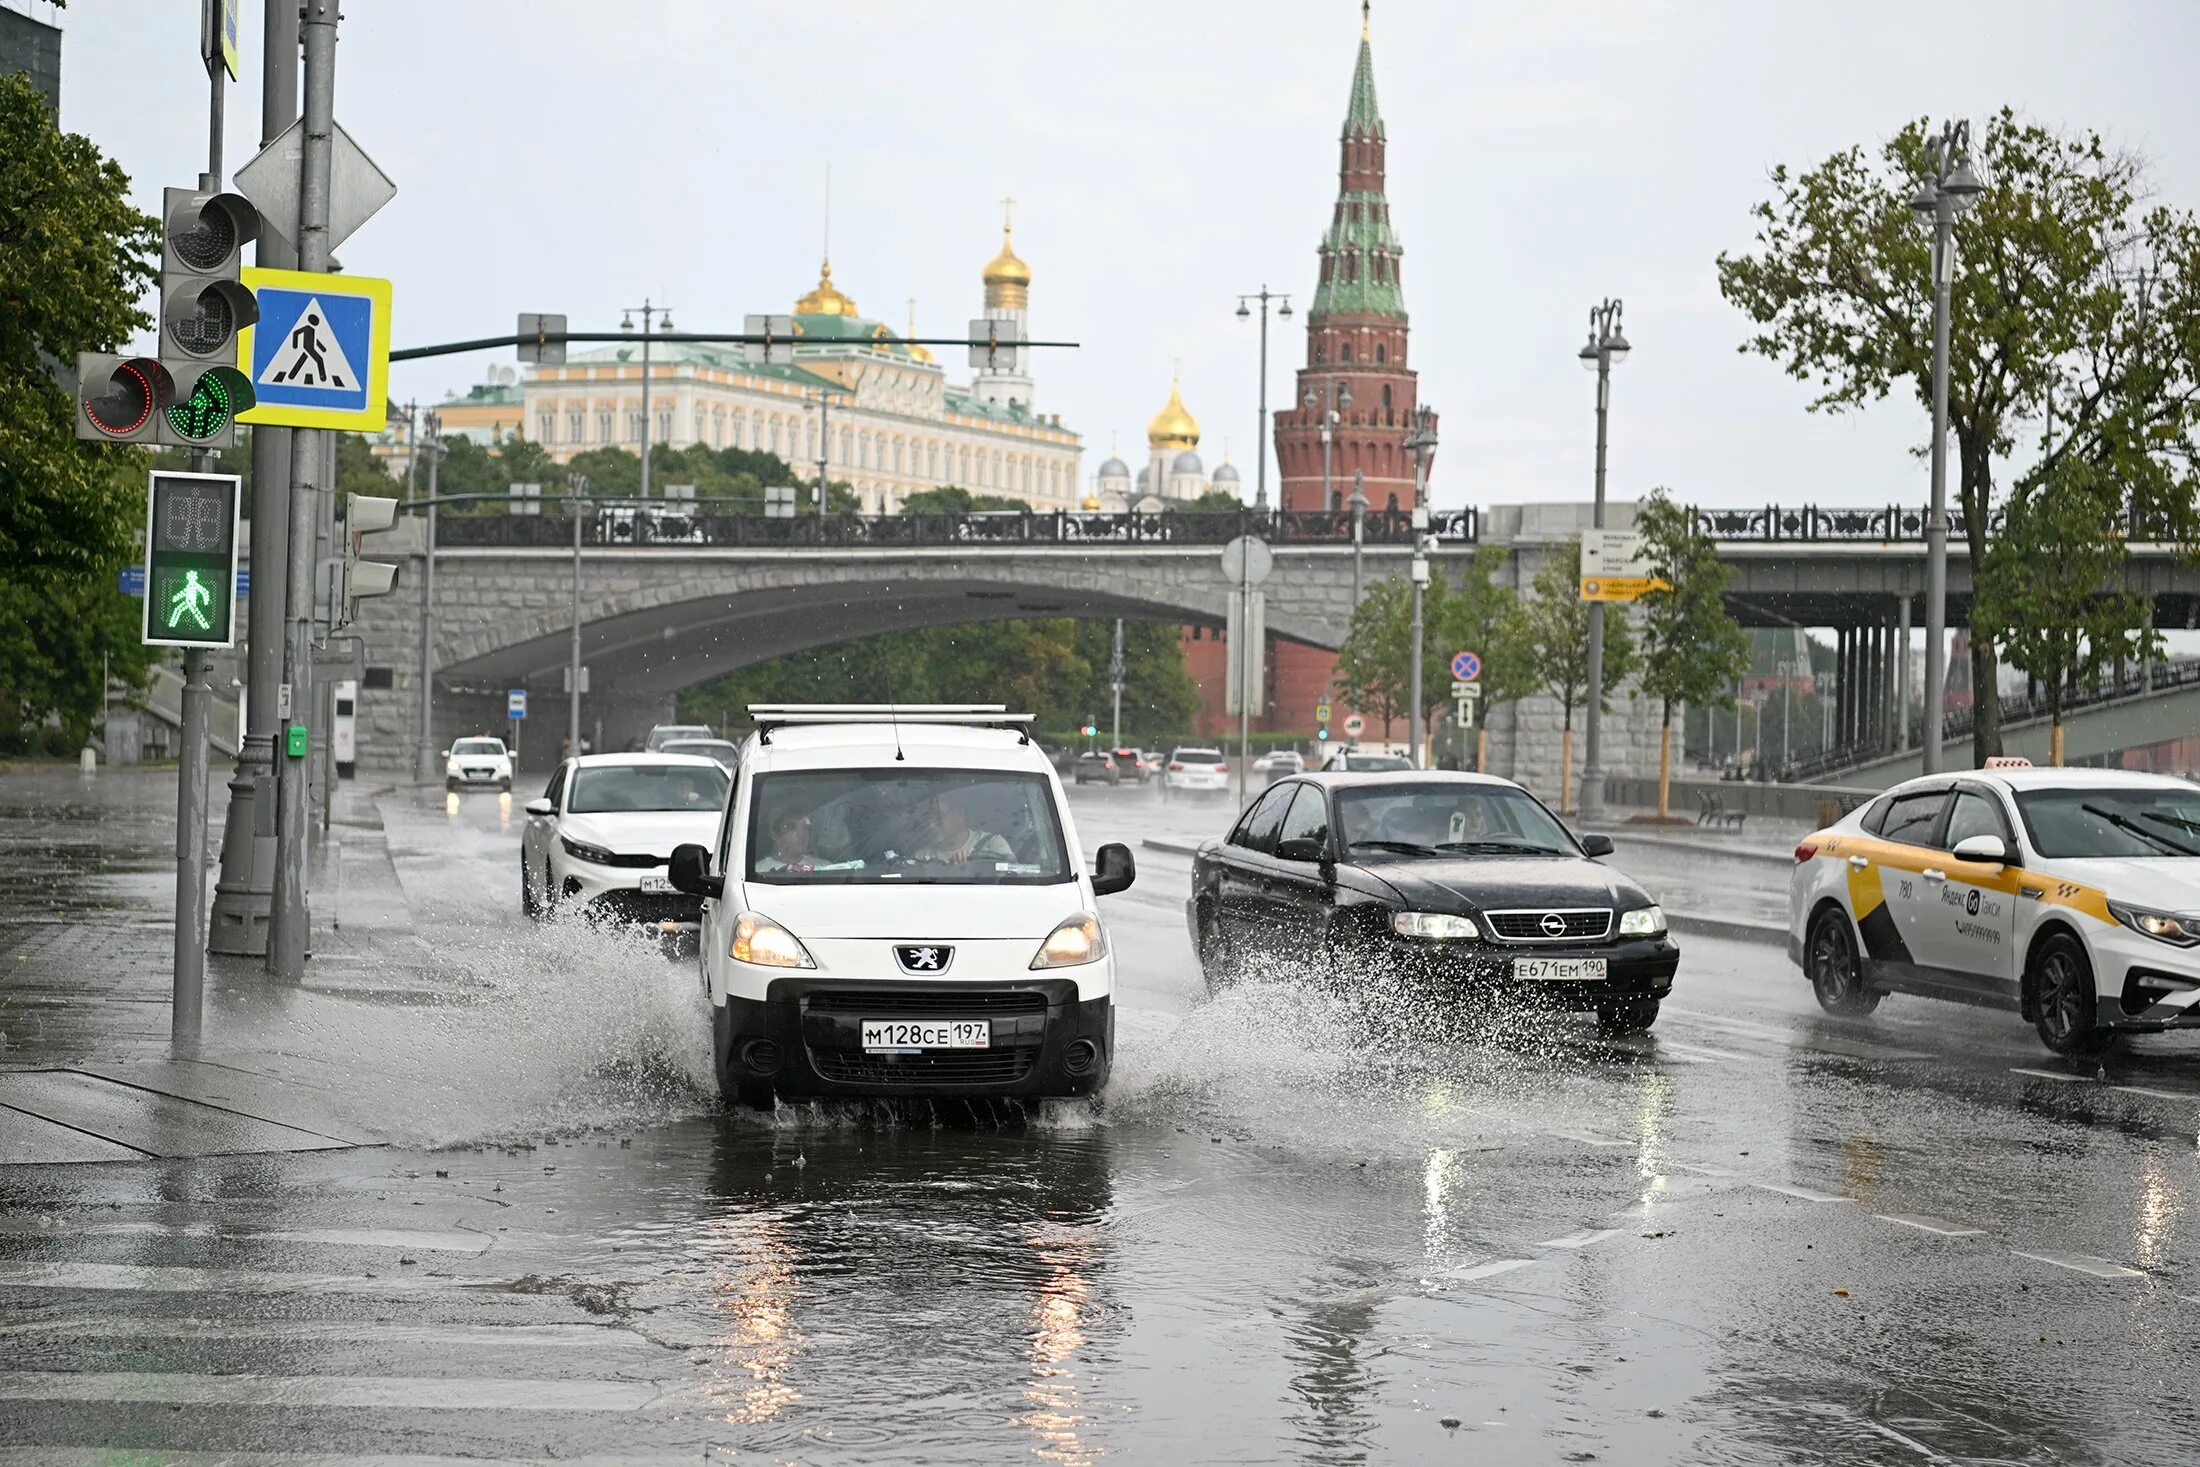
770 716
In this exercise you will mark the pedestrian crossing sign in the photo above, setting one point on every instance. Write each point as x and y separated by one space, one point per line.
319 357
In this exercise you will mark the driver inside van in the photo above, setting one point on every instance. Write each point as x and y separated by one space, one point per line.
790 850
948 837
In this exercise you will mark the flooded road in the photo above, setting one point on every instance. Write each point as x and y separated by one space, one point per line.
1293 1231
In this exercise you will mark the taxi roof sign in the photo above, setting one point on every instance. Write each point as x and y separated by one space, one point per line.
2008 761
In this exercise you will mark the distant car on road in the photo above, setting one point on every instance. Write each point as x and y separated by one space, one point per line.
1463 886
1354 761
1130 763
725 751
2071 896
1279 764
477 763
665 733
599 839
1096 768
1196 768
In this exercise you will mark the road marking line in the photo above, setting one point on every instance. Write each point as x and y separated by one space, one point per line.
209 1280
2184 1095
1699 1051
25 1226
2056 1075
170 1457
1582 1239
1939 1225
1487 1270
531 1336
1586 1139
2100 1268
1704 1171
1808 1194
411 1392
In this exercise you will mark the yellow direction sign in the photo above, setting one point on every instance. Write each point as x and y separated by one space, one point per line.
320 355
1612 567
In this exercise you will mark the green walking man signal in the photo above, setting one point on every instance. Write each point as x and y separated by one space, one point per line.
191 560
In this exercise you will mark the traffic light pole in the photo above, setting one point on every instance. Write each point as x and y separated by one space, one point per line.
287 922
243 894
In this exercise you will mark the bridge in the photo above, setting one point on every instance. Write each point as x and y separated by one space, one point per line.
673 595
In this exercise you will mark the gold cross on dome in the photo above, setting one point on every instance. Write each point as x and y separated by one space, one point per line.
1007 223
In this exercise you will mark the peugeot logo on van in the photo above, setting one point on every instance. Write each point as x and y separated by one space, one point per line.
922 957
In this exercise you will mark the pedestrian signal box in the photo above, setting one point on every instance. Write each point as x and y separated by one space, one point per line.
191 560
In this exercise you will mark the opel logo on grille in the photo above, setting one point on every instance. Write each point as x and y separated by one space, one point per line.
922 957
1552 924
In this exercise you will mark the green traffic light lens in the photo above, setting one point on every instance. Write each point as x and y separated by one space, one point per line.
204 414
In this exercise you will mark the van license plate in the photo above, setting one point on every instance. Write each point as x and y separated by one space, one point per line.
658 886
906 1036
1560 970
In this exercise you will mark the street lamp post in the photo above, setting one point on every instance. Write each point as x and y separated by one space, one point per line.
577 485
1115 687
1332 398
1421 443
1948 188
1359 525
1264 296
663 315
1607 348
428 444
1786 669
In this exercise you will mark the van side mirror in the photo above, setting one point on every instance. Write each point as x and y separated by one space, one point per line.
540 805
690 872
1596 845
1989 849
1113 870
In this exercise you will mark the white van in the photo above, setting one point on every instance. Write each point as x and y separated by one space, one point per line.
897 905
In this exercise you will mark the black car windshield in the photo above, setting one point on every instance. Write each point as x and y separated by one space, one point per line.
1409 820
2161 821
961 827
606 789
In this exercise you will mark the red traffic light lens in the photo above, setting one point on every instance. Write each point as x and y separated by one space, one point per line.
132 395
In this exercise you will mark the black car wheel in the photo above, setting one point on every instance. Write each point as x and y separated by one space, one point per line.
1836 971
2063 998
1216 963
1628 1018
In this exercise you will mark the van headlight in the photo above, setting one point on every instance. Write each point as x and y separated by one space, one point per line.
1642 922
1074 942
1439 925
2166 927
758 939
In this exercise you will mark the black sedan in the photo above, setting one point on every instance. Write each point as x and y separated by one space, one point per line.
1457 884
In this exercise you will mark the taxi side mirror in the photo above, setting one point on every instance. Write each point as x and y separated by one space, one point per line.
690 872
540 805
1113 870
1596 845
1987 848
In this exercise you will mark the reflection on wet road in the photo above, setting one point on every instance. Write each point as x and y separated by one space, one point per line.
1292 1232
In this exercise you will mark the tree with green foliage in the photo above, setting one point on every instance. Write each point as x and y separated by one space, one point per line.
1692 648
1467 610
951 499
1554 626
2053 580
1376 659
1214 501
2075 299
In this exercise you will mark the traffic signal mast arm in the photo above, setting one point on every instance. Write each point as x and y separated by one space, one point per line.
722 338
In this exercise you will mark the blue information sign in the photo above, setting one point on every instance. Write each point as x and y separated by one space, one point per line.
515 703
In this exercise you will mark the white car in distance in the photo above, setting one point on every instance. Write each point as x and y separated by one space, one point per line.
1196 768
598 839
477 763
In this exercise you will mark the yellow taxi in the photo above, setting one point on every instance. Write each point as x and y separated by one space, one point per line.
2070 896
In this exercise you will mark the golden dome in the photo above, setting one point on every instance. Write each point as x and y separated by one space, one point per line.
1092 501
827 299
1007 278
1174 426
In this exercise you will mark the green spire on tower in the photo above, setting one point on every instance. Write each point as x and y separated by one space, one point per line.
1363 117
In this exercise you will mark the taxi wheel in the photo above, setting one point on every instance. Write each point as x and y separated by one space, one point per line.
2063 999
530 903
1836 972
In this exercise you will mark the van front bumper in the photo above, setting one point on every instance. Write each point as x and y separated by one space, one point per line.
805 1038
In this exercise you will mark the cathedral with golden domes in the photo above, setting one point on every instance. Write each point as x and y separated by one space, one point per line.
1173 473
858 402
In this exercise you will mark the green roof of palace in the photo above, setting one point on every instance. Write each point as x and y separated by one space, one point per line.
485 394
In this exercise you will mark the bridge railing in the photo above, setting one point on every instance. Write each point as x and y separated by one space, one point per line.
672 524
1886 524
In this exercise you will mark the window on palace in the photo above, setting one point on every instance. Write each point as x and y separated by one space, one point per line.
775 435
932 461
664 427
547 423
897 455
573 427
603 427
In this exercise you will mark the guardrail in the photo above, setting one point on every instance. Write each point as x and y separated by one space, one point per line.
1887 524
674 524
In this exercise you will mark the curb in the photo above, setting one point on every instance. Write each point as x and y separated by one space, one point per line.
1624 837
1763 934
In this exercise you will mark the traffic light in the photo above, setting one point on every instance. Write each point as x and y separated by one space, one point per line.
191 560
1322 733
121 399
203 305
364 514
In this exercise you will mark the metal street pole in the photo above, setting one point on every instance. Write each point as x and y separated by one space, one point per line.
1948 189
244 892
1245 676
1606 346
1421 443
1115 683
577 483
1787 710
824 445
430 444
1359 528
287 918
1264 296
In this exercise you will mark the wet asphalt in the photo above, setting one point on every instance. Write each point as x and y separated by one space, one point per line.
1293 1231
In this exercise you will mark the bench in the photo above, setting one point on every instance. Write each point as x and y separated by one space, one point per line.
1711 810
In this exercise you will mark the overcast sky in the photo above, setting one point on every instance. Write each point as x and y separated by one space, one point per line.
568 155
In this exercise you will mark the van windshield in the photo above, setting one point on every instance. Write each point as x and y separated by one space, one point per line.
956 827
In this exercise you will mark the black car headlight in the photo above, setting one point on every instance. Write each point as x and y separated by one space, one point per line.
2169 927
1642 922
582 851
1441 926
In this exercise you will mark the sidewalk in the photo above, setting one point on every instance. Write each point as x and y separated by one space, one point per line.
87 883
